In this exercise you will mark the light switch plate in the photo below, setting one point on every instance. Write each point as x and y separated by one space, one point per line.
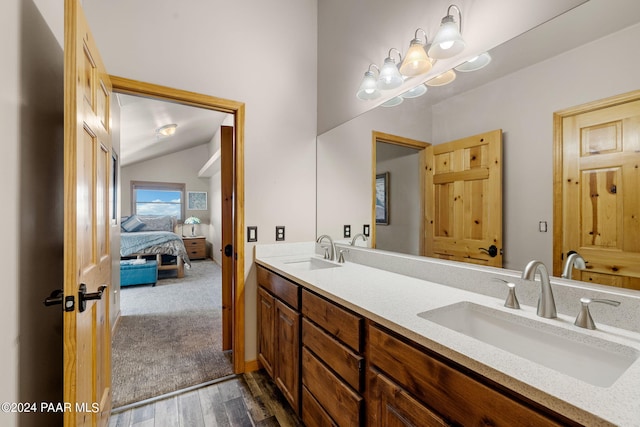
542 226
252 234
366 230
279 233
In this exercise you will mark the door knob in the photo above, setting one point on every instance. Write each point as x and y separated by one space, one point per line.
228 250
492 251
83 296
57 297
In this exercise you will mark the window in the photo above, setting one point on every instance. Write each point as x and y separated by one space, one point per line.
158 198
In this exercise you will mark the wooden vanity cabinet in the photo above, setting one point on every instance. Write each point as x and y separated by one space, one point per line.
279 332
332 364
407 382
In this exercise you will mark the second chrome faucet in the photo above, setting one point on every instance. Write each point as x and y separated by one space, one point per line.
546 302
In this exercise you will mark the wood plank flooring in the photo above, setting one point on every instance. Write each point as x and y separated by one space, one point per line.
247 400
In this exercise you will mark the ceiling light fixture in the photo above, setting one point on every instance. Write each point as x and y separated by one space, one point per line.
369 86
396 100
442 79
415 92
167 130
448 41
475 63
416 61
390 77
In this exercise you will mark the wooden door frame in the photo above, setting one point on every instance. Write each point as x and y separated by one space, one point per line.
421 146
558 193
137 88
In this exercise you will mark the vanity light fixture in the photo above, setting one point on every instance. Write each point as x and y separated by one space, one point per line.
415 92
475 63
167 130
416 61
448 41
369 86
396 100
390 77
442 79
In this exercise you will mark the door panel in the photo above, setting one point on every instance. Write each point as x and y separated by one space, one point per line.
464 184
227 171
601 205
87 259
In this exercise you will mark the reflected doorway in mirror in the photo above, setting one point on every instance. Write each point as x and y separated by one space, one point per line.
382 198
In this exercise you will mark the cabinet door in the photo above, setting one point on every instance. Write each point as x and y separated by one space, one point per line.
266 337
391 406
287 369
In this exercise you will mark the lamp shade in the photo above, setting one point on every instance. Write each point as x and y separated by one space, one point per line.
448 41
416 61
415 92
368 88
396 100
475 63
442 79
390 77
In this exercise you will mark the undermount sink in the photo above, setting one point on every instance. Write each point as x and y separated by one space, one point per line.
311 263
584 357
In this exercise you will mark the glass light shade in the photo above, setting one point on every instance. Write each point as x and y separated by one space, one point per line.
415 92
396 100
416 61
167 130
368 88
475 63
390 77
442 79
448 41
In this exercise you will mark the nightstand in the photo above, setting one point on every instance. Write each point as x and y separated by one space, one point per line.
196 247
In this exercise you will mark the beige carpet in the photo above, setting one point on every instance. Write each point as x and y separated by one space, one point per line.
169 336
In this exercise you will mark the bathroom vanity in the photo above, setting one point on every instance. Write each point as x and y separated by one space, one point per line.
373 341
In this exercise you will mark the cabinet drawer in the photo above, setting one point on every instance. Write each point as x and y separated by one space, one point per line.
194 243
312 413
337 321
444 387
341 403
279 286
337 356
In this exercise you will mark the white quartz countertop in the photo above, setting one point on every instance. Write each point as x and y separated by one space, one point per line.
394 301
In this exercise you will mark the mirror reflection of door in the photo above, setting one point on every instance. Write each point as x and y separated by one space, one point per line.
398 162
597 176
464 200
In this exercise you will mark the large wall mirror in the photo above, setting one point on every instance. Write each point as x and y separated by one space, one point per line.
521 101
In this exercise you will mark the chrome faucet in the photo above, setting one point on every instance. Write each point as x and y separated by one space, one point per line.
353 241
332 255
546 303
584 319
574 259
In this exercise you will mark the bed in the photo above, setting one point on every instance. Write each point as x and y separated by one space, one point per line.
143 236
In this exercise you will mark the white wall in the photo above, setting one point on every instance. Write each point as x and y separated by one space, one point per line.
344 162
522 105
10 105
260 53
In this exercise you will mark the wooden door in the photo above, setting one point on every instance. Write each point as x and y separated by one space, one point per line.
601 193
464 200
287 353
266 336
87 260
227 173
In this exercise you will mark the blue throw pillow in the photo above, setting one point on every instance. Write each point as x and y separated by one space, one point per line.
132 224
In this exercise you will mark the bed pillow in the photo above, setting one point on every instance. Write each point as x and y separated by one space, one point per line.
132 224
157 223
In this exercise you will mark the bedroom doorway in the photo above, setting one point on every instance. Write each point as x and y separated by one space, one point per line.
232 219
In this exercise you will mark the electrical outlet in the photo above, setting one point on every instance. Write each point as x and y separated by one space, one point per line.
279 233
366 230
252 234
347 231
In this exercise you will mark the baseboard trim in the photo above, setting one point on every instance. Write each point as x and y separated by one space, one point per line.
252 365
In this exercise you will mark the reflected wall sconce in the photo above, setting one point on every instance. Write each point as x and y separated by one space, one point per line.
416 61
475 63
390 77
415 92
167 130
396 100
448 41
442 79
369 86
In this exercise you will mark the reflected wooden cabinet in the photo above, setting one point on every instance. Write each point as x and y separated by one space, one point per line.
279 333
